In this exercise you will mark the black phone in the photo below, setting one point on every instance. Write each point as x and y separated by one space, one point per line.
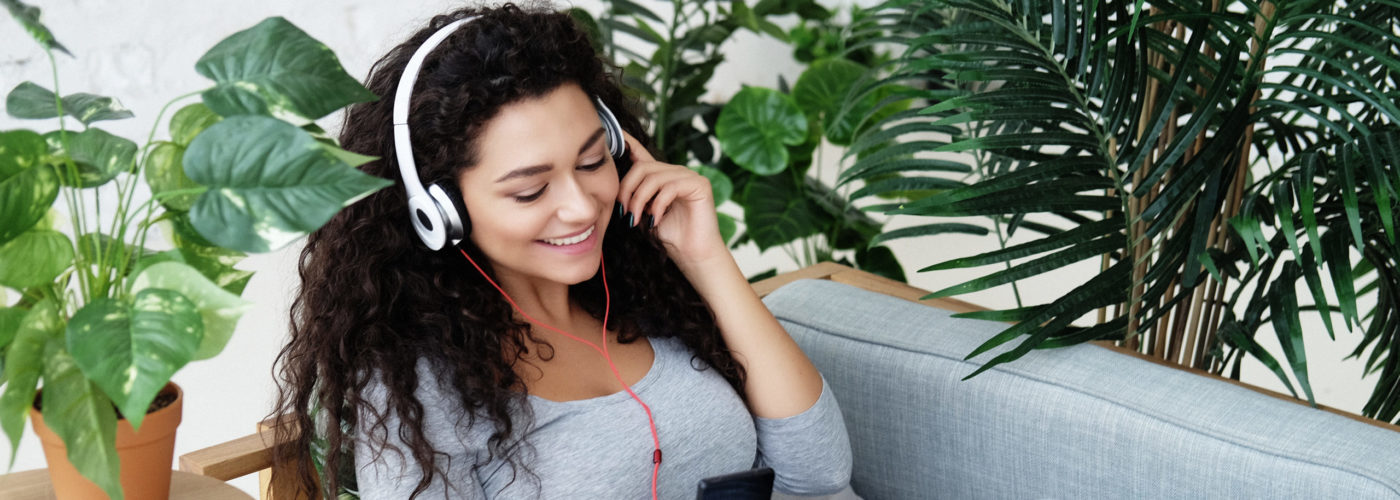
747 485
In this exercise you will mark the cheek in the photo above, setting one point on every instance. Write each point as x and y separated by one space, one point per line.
605 185
502 227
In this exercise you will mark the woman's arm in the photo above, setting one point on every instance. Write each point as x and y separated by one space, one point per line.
781 380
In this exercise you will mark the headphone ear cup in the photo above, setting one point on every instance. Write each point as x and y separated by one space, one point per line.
449 201
612 131
624 164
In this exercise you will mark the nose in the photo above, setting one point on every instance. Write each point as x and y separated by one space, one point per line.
576 205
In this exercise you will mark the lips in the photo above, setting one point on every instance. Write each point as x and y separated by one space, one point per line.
571 240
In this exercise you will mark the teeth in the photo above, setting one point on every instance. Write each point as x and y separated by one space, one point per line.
573 240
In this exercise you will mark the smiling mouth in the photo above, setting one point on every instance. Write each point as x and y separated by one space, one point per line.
573 239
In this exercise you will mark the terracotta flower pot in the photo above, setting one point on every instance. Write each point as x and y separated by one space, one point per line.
146 456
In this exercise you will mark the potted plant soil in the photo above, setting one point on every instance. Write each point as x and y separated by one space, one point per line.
117 293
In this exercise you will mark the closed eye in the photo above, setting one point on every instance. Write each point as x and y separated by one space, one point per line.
531 197
593 166
536 195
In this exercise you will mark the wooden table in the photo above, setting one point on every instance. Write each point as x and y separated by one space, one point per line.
34 484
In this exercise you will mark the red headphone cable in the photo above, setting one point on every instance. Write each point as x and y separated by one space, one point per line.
607 307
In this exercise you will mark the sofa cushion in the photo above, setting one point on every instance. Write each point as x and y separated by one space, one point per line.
1078 422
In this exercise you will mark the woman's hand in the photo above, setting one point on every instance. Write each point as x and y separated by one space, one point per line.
680 202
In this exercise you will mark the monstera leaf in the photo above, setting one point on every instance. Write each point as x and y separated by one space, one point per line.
756 127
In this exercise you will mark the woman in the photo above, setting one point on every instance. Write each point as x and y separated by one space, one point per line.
486 369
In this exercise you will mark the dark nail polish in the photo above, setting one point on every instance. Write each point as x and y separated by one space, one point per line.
618 210
631 221
651 221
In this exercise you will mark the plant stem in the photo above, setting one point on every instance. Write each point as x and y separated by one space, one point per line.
71 196
122 223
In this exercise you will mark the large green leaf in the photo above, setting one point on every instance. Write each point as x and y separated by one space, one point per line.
130 349
27 187
757 125
31 101
165 173
213 262
269 183
99 155
275 68
34 258
21 150
776 211
28 16
10 319
189 121
23 364
218 308
821 90
78 413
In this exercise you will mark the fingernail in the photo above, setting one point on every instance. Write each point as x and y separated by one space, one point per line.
619 209
651 221
631 221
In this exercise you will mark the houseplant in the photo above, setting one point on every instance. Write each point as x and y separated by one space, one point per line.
103 321
1219 159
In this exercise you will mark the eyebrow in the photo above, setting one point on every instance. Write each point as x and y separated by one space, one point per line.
539 169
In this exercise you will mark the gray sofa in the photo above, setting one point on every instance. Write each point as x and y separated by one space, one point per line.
1079 422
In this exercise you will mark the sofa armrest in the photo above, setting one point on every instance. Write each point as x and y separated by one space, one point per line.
236 458
231 459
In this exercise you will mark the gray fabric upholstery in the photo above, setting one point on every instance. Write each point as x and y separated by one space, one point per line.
1079 422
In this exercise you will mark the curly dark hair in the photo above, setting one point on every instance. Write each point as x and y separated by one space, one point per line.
374 300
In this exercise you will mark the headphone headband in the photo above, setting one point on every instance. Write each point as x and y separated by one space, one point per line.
402 93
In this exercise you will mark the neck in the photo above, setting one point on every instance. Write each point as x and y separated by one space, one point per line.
543 300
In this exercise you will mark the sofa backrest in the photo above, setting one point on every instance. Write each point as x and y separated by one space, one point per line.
1077 422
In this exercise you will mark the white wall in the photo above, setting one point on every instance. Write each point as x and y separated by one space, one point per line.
144 52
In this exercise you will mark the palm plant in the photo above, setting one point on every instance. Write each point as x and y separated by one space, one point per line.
1210 156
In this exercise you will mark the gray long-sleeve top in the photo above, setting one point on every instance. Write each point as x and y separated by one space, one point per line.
602 447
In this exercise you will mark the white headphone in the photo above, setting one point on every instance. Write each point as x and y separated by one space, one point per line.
437 212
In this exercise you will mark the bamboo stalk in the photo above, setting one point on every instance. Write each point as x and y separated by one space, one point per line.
1138 249
1242 168
1165 323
